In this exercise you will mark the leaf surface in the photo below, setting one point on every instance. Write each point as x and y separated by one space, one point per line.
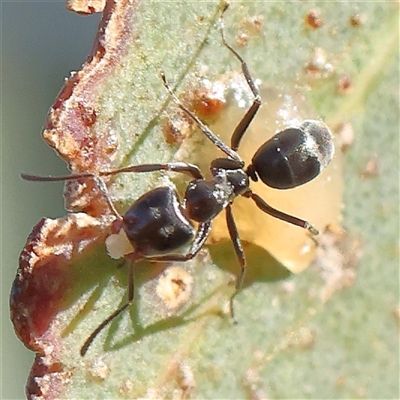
299 337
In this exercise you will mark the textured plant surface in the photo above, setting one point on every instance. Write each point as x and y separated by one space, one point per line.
330 332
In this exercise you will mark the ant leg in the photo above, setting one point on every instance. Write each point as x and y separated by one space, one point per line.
198 242
210 135
181 167
131 291
244 123
234 234
263 206
201 236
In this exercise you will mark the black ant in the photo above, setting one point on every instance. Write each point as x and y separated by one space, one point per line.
158 224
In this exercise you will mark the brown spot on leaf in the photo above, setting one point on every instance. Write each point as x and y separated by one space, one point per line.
175 286
88 115
344 84
126 388
185 379
396 315
356 20
99 370
253 385
176 128
314 19
319 65
206 101
249 27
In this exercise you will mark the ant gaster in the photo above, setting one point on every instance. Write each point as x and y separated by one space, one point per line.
159 224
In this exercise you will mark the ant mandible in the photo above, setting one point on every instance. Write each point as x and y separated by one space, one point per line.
291 158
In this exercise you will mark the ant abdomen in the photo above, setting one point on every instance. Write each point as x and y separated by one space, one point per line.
293 156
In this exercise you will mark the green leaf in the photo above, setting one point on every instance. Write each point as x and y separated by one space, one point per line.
291 341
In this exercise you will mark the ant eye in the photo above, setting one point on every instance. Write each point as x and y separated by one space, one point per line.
293 156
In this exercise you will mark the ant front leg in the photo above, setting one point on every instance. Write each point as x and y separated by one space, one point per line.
244 123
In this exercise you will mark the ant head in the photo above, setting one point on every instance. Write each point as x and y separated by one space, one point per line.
293 156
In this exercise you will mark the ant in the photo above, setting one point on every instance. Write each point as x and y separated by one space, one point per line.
159 223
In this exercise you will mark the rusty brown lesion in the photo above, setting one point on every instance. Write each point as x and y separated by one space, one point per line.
43 276
71 123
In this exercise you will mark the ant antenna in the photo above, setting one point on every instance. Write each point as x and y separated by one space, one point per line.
204 128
